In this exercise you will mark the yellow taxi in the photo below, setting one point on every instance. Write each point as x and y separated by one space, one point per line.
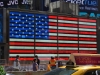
79 70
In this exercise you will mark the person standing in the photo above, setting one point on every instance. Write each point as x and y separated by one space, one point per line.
35 65
52 63
17 62
38 60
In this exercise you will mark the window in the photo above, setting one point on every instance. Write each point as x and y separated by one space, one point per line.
61 71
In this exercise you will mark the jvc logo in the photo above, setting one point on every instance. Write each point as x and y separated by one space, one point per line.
84 2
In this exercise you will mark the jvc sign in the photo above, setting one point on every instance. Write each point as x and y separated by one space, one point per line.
14 2
84 2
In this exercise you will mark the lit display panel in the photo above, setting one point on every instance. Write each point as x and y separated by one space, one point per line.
49 35
32 32
87 36
67 36
1 25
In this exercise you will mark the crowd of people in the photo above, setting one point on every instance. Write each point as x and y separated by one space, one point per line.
36 63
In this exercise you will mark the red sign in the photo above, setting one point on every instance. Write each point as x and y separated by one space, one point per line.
87 60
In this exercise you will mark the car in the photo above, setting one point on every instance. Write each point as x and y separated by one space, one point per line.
77 70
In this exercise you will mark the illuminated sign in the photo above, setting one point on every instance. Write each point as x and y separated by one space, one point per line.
13 2
90 14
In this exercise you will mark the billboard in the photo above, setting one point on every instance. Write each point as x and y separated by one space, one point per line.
49 35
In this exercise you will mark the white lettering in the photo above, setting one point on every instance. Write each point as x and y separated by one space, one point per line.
25 2
1 4
13 2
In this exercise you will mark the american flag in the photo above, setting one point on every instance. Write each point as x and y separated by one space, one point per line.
49 35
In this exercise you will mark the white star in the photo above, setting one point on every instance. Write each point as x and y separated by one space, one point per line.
45 17
16 22
26 30
15 27
29 28
36 18
12 29
19 30
19 14
26 20
29 33
29 18
26 35
42 19
29 23
42 29
12 14
15 32
12 34
39 31
16 17
19 25
39 36
39 16
26 15
12 19
22 17
23 27
26 25
32 30
12 24
23 22
19 35
39 21
23 32
33 16
19 20
42 24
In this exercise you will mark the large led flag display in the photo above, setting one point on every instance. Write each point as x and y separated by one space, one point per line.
49 35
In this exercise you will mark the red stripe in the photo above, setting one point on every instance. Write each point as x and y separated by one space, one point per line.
53 37
53 31
85 26
46 44
87 39
67 45
67 51
53 17
29 59
88 45
88 51
67 38
67 25
67 18
87 33
52 24
46 51
87 20
68 31
63 58
21 51
22 43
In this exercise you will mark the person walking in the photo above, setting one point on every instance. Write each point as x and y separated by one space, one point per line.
38 60
35 65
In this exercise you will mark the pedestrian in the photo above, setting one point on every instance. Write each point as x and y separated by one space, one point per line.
17 62
38 60
35 65
52 63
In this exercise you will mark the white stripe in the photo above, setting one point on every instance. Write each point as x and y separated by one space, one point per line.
87 23
65 21
47 41
85 42
84 29
46 48
67 48
67 41
31 55
53 34
52 20
22 40
91 36
53 27
63 55
72 35
21 47
87 48
67 28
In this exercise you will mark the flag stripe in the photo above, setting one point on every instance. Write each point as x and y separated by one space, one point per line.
87 20
87 33
85 26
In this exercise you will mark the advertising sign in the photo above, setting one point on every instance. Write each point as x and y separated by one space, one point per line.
87 60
